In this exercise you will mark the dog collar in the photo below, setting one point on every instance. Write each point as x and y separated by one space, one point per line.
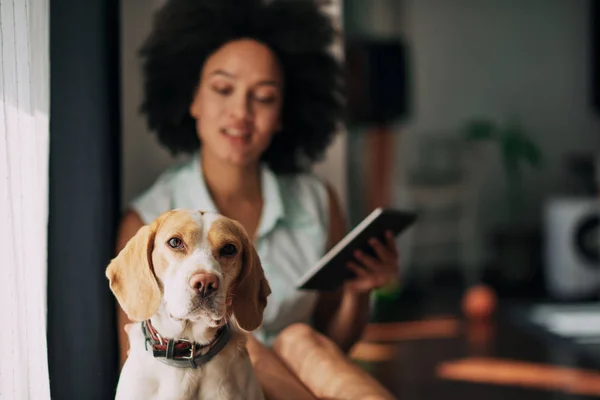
183 353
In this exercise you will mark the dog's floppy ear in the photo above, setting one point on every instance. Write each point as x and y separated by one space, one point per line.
251 290
131 276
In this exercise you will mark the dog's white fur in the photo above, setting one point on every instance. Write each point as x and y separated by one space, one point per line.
151 280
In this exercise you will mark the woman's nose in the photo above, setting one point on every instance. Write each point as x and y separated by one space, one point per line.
241 108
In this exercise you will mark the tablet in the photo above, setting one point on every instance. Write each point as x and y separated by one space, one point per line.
331 271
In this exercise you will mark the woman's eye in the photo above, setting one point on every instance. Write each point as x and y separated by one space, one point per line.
265 97
266 100
175 243
228 250
224 90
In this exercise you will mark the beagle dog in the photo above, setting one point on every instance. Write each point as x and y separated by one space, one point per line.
194 284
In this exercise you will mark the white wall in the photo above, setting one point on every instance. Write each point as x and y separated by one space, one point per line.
143 159
502 58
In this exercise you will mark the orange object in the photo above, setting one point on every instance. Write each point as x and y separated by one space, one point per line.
434 328
523 374
479 302
373 352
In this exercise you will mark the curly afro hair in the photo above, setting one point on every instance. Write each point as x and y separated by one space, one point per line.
186 32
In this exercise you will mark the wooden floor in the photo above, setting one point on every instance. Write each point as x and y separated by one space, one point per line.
426 350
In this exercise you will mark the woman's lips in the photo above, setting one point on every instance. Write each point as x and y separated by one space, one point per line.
237 135
235 132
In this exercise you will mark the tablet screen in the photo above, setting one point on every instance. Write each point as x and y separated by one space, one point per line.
331 271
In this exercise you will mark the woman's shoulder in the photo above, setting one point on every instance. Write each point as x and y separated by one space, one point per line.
312 205
303 186
159 196
306 194
302 182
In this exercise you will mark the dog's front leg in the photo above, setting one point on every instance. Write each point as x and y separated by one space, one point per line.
135 383
240 382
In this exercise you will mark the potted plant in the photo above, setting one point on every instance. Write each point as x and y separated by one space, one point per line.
516 244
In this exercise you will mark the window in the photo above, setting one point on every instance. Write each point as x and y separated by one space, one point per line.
24 139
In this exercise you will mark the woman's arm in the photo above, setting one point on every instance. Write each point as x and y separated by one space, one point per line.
341 315
130 224
344 314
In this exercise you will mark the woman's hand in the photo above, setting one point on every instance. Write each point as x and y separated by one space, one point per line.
374 272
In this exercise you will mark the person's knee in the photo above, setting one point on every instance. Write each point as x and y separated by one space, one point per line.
298 333
303 336
300 329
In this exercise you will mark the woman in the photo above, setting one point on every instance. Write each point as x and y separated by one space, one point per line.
253 93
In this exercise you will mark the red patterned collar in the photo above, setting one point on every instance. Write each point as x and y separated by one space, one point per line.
183 353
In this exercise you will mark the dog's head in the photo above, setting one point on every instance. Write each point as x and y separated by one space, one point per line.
203 266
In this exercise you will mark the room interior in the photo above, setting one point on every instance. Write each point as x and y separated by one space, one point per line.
482 116
488 126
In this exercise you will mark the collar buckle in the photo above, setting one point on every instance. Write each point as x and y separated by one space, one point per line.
192 349
161 341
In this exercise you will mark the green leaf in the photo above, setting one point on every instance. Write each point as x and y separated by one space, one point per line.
519 147
511 146
532 153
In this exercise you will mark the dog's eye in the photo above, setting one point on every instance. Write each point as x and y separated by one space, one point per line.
175 243
228 250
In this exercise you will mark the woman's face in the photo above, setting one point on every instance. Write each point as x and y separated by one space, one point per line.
238 102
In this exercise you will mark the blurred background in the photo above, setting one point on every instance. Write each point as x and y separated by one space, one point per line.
481 115
491 125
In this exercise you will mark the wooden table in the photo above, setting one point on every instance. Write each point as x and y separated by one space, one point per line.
427 350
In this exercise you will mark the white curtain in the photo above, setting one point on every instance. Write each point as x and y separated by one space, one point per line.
24 139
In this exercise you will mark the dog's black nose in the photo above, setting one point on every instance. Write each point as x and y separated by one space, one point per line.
204 283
